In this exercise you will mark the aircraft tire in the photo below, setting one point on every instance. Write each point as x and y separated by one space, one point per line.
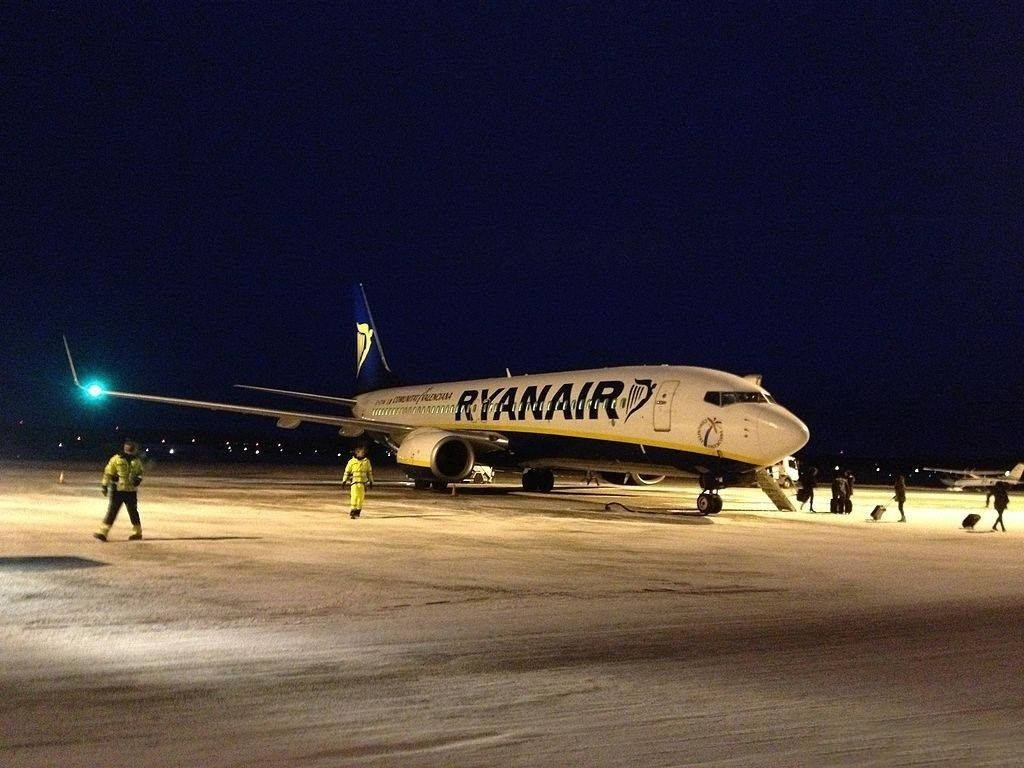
421 485
531 481
439 485
716 504
705 503
546 480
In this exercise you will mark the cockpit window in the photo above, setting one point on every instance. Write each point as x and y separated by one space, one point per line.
723 399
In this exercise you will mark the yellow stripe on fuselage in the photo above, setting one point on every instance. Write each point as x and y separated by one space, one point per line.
601 436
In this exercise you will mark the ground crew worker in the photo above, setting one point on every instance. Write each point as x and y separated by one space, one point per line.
900 490
1000 500
121 478
359 476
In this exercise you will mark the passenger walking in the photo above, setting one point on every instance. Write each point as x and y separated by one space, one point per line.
591 477
808 482
121 479
1000 500
358 476
900 489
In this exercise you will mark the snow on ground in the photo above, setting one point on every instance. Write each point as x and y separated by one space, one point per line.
257 625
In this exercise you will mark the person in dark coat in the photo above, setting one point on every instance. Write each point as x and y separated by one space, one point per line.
900 490
808 482
1000 500
839 494
849 490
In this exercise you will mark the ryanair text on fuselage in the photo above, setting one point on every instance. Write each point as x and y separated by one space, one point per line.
572 400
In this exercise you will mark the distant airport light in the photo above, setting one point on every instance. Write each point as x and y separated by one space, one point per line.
170 450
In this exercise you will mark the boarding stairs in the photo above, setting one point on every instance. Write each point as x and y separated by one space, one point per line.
773 491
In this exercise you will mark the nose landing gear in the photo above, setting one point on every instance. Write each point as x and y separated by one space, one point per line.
709 502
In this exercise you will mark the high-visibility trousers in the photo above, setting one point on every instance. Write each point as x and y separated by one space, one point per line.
358 492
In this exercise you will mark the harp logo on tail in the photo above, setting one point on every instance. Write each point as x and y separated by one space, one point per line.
364 340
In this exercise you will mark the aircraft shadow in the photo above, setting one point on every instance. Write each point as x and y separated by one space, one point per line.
47 563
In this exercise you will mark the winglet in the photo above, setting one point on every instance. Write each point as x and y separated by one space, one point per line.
74 373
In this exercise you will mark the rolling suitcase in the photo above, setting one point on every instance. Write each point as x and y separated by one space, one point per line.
971 520
877 512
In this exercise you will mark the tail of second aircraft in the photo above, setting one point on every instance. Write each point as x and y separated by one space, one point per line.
372 370
1016 473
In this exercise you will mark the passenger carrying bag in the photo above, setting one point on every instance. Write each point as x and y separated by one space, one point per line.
877 512
971 520
802 495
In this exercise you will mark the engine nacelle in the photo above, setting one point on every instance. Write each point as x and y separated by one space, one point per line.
437 454
630 478
639 479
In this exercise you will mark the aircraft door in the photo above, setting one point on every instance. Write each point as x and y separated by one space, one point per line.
663 406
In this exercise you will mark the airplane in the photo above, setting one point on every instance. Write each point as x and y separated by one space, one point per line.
644 422
964 479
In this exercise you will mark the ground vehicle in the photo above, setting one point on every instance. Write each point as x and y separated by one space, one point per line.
786 473
480 473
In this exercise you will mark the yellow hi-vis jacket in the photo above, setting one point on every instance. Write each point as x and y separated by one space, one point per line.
122 471
358 471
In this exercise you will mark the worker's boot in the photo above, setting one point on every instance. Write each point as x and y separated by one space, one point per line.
136 533
101 534
354 513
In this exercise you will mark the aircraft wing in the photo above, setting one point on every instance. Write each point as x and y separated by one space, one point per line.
349 426
966 472
303 395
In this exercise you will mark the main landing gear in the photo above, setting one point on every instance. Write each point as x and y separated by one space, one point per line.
709 502
542 480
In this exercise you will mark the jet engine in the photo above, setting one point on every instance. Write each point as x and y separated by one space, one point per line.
435 454
639 479
630 478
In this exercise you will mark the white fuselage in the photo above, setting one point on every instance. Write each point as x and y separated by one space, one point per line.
671 419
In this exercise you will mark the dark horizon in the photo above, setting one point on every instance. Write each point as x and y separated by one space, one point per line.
828 196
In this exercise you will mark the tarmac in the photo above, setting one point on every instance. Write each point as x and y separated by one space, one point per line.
257 625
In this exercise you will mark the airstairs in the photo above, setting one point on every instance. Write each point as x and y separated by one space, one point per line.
773 492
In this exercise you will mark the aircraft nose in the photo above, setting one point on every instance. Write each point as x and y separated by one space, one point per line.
783 434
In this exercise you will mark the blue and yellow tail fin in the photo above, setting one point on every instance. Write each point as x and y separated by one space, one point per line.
372 370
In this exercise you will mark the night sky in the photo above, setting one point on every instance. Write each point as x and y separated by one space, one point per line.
826 194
